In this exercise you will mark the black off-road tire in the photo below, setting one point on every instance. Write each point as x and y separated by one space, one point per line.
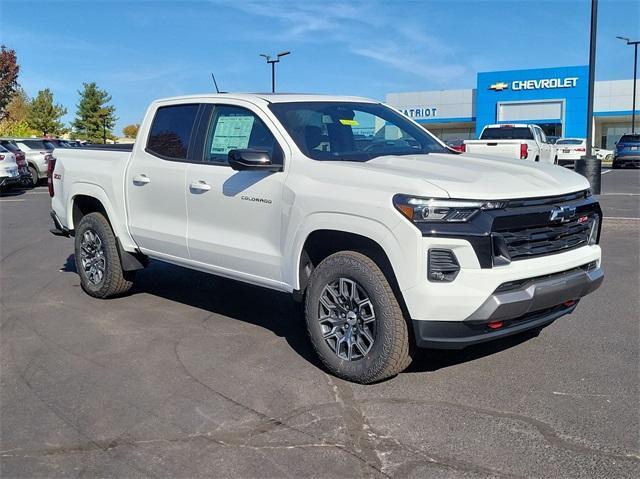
115 281
390 353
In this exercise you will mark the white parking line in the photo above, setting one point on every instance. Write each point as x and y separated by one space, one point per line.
2 200
606 171
619 194
621 218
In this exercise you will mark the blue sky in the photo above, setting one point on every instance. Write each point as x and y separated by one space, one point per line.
142 50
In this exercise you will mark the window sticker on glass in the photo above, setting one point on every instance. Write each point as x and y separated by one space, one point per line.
232 132
349 122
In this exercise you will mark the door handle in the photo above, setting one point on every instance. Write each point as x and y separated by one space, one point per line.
199 186
141 180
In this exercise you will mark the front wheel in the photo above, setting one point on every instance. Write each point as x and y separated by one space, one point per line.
97 259
354 321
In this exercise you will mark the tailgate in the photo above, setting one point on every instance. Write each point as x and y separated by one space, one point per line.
496 148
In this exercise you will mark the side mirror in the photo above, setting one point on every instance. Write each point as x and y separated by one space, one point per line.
247 159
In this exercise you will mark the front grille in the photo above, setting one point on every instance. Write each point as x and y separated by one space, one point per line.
528 242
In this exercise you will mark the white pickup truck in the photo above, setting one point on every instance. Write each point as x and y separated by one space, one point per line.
390 238
515 141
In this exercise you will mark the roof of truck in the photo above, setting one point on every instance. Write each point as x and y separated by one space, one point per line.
274 97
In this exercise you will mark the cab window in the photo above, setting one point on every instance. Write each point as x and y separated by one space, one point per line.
171 130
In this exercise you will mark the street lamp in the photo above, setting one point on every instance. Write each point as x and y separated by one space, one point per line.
635 73
273 61
589 165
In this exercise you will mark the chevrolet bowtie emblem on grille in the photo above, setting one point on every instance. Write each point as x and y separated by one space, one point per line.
562 213
499 86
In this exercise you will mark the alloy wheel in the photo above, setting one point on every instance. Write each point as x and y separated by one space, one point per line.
347 319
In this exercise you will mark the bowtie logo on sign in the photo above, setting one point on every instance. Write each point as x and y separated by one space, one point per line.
499 86
545 83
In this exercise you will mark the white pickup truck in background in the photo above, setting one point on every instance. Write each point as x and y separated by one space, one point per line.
390 238
515 141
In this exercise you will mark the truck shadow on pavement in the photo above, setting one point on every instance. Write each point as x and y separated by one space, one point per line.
275 311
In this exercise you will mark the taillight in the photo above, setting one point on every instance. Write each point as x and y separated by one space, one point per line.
462 148
51 165
1 157
523 151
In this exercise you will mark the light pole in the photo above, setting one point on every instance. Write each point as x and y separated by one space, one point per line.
635 74
273 61
589 165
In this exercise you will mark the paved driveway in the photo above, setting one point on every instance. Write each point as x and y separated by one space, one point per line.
195 376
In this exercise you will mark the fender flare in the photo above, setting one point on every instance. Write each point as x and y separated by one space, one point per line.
348 223
97 192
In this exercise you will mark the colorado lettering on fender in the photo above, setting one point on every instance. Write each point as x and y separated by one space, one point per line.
544 83
257 200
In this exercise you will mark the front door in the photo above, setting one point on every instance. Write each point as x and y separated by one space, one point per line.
235 217
155 183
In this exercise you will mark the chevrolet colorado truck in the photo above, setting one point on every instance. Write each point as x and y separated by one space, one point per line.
391 239
515 141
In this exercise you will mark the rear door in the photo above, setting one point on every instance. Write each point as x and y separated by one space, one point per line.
235 217
155 182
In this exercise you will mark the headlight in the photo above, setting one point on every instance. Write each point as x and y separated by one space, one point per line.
426 210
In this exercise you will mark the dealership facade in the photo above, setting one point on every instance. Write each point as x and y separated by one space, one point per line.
554 98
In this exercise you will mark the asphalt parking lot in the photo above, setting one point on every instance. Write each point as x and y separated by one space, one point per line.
196 376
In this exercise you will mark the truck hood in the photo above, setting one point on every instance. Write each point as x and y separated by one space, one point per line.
476 177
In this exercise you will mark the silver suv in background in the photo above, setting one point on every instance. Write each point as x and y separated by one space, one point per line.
36 151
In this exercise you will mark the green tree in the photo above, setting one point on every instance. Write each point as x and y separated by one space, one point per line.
44 115
94 113
18 106
9 70
131 131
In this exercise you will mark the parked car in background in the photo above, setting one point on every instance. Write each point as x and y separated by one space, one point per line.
391 244
9 175
37 151
568 150
627 151
21 161
515 141
457 144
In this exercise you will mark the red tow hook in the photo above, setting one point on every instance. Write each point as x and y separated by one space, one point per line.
569 303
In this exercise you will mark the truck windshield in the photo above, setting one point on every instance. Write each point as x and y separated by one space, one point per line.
507 133
353 131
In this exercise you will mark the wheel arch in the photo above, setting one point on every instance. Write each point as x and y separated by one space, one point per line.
331 233
86 198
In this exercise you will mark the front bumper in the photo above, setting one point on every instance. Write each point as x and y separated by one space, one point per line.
514 307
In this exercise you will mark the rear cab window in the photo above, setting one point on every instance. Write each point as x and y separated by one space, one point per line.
507 133
630 139
37 144
171 131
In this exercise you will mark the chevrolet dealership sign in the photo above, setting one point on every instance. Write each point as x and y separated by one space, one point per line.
545 83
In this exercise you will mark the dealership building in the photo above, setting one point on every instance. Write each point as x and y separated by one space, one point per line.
554 98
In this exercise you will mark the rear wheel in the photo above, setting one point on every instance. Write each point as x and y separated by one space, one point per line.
34 176
354 321
97 259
